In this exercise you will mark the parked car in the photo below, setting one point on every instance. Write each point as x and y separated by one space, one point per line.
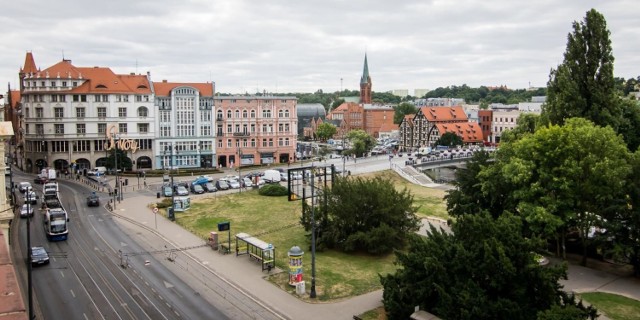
209 187
26 211
40 180
93 200
167 191
181 191
247 183
31 197
39 256
234 184
222 185
197 189
24 186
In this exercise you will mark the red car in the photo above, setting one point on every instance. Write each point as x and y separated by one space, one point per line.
40 180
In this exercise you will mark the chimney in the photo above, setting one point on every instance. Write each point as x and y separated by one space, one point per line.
164 81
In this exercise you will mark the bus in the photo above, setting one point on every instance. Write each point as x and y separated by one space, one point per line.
55 221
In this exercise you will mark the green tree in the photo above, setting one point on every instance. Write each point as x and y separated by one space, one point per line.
484 269
630 123
527 124
325 131
467 197
583 85
361 142
124 163
402 110
358 214
449 139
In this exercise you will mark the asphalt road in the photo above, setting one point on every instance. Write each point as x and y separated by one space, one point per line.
86 278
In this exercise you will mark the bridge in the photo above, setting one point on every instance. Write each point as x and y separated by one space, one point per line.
413 172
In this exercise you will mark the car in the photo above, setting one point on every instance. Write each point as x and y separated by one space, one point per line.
24 186
167 191
26 211
197 189
222 184
209 187
40 180
39 256
247 183
182 191
93 200
234 184
31 197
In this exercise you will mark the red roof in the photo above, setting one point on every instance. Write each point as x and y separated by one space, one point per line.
163 88
438 114
29 64
15 98
470 132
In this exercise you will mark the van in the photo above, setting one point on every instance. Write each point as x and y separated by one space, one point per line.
97 171
271 176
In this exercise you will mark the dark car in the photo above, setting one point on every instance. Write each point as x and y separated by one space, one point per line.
197 189
93 200
209 187
39 256
40 180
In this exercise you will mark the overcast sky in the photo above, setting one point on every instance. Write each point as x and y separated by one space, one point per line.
302 46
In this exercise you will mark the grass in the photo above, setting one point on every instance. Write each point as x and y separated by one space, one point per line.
615 307
276 220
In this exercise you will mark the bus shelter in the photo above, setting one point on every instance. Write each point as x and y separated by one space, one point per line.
256 249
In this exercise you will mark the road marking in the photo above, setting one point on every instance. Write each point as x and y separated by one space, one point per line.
62 273
72 293
122 244
167 284
85 316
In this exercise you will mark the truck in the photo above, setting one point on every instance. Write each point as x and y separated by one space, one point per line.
48 173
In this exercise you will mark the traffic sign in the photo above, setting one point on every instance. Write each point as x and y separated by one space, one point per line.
155 210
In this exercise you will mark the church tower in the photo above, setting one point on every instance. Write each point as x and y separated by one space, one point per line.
365 84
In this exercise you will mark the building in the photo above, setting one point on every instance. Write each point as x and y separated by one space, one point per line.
377 117
365 83
400 92
419 93
13 114
308 115
253 130
439 102
430 123
485 118
73 116
185 136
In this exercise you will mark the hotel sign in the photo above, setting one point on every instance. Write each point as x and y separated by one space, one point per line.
122 144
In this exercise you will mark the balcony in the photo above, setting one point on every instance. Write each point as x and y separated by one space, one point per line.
241 134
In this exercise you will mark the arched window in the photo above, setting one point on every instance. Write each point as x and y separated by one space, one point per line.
228 114
219 115
237 114
253 113
244 113
143 112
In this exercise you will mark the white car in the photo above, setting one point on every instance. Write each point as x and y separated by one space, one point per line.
31 197
234 184
247 182
26 211
24 186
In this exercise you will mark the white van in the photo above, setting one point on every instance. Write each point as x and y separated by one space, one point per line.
271 176
97 171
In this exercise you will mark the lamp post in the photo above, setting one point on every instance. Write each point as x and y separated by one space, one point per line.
115 193
312 293
240 180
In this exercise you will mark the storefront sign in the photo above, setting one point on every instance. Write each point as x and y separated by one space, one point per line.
122 144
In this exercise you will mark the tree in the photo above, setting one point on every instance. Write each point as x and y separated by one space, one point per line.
484 269
363 215
467 196
124 163
361 142
336 103
527 123
449 139
402 110
583 85
325 131
630 123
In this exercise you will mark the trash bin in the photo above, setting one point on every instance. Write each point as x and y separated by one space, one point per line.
300 288
172 216
158 195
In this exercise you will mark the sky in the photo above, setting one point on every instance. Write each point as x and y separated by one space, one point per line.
281 46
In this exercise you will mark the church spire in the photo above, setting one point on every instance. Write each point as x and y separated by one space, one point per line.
365 83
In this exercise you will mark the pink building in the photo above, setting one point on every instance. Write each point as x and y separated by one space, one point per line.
255 130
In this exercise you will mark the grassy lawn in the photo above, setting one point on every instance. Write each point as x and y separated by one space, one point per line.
276 220
614 306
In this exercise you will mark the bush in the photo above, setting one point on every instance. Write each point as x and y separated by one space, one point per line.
273 190
165 203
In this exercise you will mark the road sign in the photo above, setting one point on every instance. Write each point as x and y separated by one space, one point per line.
155 210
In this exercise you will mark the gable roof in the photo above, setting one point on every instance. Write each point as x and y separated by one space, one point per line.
470 132
439 114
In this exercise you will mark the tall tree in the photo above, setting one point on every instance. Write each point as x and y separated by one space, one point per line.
361 142
402 110
325 131
583 85
485 269
449 139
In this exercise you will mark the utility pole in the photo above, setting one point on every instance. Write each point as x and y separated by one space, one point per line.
312 293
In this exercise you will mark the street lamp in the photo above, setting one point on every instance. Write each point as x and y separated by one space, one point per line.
115 151
240 180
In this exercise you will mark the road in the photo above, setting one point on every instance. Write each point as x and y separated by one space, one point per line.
86 278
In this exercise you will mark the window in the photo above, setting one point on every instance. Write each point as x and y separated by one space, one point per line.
39 129
59 128
54 98
266 113
264 142
122 112
122 127
143 127
165 131
102 128
64 83
253 113
102 112
122 98
219 116
62 98
143 112
81 128
244 114
228 143
80 112
58 112
39 112
228 114
101 98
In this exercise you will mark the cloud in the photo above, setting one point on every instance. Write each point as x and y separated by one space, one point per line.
284 46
